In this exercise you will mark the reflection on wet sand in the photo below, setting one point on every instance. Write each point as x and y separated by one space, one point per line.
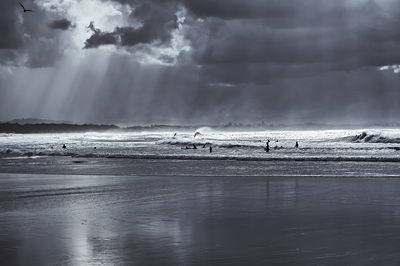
76 220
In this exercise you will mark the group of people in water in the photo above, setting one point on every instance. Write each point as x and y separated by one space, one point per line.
267 148
194 147
276 147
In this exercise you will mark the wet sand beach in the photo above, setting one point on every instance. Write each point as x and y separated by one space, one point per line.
185 220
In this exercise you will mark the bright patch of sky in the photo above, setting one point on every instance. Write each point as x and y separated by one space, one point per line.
168 55
105 15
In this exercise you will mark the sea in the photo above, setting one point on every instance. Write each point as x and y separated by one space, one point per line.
208 151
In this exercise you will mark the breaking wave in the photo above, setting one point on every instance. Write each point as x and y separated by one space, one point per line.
378 137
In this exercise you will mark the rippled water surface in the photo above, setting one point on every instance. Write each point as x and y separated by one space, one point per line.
109 220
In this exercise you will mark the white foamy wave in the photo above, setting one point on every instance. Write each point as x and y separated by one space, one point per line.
392 136
202 131
6 134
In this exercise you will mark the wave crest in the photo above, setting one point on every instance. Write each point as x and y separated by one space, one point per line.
377 137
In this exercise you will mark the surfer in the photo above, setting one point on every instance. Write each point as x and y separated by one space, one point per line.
210 149
297 144
64 146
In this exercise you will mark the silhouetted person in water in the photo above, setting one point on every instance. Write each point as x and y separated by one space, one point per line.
267 147
297 144
64 146
174 135
210 149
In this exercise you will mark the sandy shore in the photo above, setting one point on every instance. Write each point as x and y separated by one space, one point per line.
122 220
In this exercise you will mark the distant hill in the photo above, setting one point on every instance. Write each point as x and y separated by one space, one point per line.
24 121
53 128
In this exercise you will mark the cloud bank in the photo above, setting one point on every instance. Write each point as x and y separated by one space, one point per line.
204 61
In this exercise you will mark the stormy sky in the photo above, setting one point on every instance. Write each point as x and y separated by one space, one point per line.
192 61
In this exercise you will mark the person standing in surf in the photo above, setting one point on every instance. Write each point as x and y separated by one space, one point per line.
267 147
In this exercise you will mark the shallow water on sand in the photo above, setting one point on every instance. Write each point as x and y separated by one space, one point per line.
92 220
169 167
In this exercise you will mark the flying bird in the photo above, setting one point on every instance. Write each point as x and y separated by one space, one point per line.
25 10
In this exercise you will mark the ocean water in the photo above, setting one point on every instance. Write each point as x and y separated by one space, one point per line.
143 198
239 152
364 145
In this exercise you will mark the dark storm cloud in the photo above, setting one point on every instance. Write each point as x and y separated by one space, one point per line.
100 38
26 38
300 59
292 46
61 24
230 9
122 36
156 19
226 9
283 32
362 35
